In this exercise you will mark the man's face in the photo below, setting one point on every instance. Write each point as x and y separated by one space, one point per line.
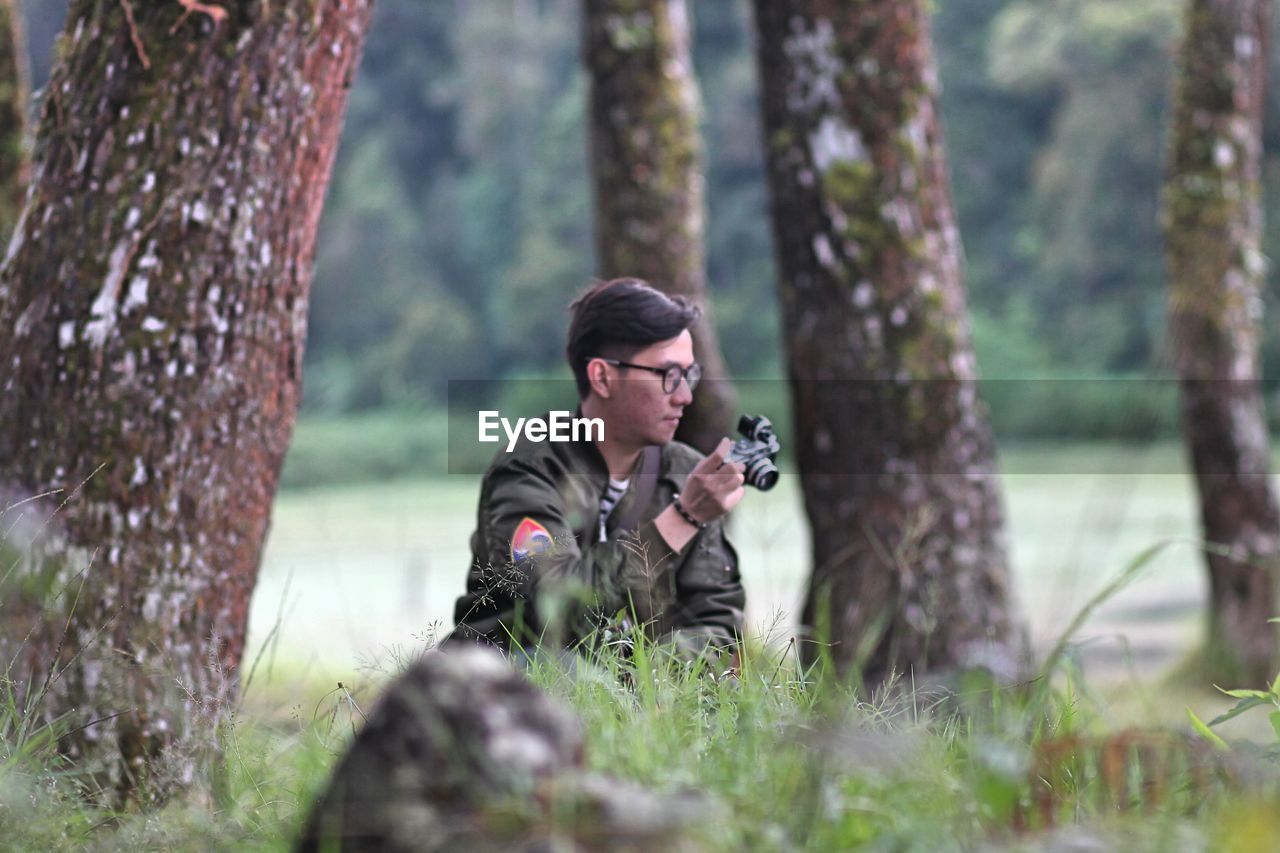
639 411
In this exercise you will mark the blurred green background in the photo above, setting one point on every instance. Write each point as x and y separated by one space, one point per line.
458 222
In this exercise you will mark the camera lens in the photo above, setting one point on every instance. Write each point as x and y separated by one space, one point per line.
762 474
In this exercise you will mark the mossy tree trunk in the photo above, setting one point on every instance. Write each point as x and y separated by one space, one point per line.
152 320
15 85
893 444
647 175
1213 223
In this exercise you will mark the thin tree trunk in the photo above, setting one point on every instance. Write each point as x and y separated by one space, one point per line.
15 86
646 163
152 321
1213 224
893 444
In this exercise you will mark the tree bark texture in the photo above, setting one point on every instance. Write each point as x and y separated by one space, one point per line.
1213 226
152 320
647 174
894 448
15 86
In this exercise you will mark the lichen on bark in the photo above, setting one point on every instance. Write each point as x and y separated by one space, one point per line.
896 456
152 319
1213 223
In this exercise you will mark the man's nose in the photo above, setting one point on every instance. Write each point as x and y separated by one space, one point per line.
683 395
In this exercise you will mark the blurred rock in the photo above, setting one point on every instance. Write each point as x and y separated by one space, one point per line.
463 753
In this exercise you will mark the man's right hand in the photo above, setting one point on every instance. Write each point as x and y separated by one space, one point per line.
714 486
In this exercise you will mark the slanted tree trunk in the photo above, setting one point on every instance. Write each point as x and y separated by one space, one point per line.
152 320
893 444
646 163
15 85
1213 223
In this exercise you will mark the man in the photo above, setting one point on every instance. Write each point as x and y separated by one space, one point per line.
575 540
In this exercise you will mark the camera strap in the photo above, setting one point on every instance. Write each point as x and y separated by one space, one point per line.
646 482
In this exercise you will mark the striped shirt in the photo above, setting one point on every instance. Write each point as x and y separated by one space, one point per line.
612 494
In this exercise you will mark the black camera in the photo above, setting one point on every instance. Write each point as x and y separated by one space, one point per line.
756 450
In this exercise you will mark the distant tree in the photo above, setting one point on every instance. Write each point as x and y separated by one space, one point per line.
15 86
1095 75
739 242
388 241
646 163
152 318
528 235
1213 224
893 445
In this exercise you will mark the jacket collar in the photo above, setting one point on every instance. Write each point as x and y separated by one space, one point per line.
586 458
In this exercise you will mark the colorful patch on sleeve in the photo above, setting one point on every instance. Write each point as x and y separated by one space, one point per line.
530 538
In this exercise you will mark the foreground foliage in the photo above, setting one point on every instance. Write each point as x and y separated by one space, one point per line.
775 759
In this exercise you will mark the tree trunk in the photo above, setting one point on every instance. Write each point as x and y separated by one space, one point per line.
152 320
895 452
645 159
15 86
1213 223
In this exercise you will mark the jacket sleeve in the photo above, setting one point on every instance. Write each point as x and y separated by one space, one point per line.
710 612
572 587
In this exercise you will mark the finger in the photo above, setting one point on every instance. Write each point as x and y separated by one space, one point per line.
718 455
734 497
731 472
726 481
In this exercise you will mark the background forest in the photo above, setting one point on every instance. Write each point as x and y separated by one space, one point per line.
458 221
460 213
1055 125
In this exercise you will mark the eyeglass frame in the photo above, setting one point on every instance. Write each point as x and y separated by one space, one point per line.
664 372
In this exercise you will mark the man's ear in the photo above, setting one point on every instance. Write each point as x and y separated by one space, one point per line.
598 378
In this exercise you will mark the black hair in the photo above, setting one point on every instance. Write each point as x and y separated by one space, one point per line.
618 318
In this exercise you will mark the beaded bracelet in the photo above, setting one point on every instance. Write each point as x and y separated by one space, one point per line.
684 513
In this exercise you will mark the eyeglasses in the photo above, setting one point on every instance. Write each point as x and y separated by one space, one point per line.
670 375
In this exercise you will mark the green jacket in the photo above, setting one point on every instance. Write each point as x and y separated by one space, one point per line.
549 580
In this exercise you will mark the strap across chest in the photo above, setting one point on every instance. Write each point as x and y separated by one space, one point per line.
646 483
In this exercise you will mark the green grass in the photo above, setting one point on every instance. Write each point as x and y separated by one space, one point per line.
774 759
781 761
